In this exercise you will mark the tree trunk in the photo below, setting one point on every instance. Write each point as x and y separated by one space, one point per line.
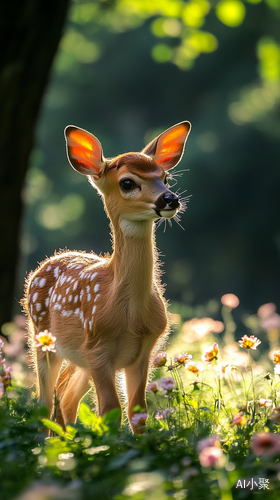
30 31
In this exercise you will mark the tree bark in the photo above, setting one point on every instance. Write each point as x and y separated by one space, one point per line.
30 31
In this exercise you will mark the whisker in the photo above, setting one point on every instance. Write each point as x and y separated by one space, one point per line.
177 219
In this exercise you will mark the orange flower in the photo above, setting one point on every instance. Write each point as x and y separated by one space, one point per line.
239 419
181 359
249 342
276 357
265 402
45 340
192 367
230 300
211 353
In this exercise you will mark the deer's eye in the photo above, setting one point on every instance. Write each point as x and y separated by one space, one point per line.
127 184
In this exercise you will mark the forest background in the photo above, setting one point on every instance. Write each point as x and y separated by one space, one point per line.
126 70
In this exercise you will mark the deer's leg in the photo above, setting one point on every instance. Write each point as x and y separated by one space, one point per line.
48 367
72 385
136 381
104 381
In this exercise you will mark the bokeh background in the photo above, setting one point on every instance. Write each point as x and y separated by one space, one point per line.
127 70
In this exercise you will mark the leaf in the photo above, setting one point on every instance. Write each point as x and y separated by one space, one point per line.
112 416
70 432
53 426
86 416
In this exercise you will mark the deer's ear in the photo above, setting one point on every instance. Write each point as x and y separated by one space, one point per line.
167 149
84 152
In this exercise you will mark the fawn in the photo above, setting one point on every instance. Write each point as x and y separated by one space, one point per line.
107 313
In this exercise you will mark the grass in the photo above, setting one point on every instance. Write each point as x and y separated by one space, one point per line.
212 429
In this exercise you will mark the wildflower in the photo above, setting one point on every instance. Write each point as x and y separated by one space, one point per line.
265 444
45 340
266 310
210 354
265 402
1 388
160 359
159 415
230 300
139 420
192 471
182 358
197 329
275 414
277 369
1 344
211 456
192 367
270 323
276 357
167 383
239 419
153 387
208 443
167 411
186 461
249 342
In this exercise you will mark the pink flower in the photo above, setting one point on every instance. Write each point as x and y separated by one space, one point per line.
139 420
208 442
239 419
5 376
160 359
159 415
1 389
211 456
230 300
265 444
167 383
45 340
153 387
182 358
210 354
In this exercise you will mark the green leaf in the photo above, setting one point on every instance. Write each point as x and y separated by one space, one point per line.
86 416
70 432
112 416
53 426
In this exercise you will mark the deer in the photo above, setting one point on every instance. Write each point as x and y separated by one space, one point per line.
108 313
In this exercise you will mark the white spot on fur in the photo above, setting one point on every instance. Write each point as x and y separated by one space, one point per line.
89 297
40 318
69 298
67 290
50 290
87 288
82 293
54 297
97 297
57 307
76 299
75 285
79 267
38 307
35 297
96 287
66 313
93 276
77 311
64 300
59 297
62 279
36 281
42 282
69 278
43 313
48 268
93 309
47 301
56 271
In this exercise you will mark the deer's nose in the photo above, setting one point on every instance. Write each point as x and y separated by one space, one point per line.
167 199
171 200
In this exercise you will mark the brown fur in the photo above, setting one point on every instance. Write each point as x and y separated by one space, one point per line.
107 313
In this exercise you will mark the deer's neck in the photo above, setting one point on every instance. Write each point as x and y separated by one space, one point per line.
133 260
